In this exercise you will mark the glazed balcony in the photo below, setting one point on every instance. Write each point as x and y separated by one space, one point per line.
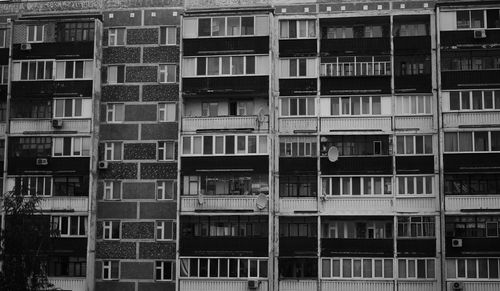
356 206
332 123
297 124
222 203
456 119
65 204
247 86
350 247
69 283
458 203
249 122
416 122
31 125
220 284
55 50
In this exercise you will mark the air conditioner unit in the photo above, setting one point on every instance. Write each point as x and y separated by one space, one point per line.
57 123
103 165
456 243
42 162
456 286
479 33
253 284
25 46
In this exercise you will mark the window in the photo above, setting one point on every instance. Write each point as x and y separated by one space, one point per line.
209 109
411 68
414 144
411 185
467 226
356 66
224 145
116 74
165 230
111 229
167 112
416 268
3 38
470 184
71 185
493 17
411 29
164 270
356 268
297 29
298 186
116 36
35 33
243 183
82 69
413 105
234 226
112 190
298 107
416 226
223 267
75 31
467 19
4 74
298 147
356 145
69 226
113 151
71 146
357 186
40 146
220 26
33 70
166 190
34 185
359 105
226 66
110 270
167 150
359 229
65 266
474 100
168 73
115 112
301 68
470 61
466 141
72 107
473 268
168 35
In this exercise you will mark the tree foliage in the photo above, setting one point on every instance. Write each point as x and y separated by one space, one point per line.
23 240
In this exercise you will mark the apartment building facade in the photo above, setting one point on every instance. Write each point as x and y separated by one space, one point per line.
258 145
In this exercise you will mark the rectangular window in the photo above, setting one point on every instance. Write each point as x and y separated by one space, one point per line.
115 112
33 70
4 74
467 19
116 74
234 144
164 270
415 185
416 226
474 100
113 151
165 230
34 185
466 141
414 144
75 31
111 230
112 190
35 33
71 186
356 66
168 73
223 267
357 185
167 150
301 67
110 270
168 35
416 268
356 268
298 107
364 105
290 29
117 36
81 69
3 38
226 66
298 147
71 146
167 112
69 226
71 108
166 190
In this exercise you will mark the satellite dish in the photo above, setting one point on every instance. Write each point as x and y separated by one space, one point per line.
261 201
333 154
261 117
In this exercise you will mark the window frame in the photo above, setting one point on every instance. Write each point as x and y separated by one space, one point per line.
114 32
290 100
164 76
160 269
161 189
112 187
28 179
225 34
327 186
73 144
424 152
342 274
107 265
109 147
297 29
161 230
107 229
163 109
164 34
59 218
162 154
414 181
35 33
189 141
111 112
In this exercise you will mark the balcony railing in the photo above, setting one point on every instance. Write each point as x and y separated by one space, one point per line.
19 126
298 204
220 285
382 123
357 66
404 285
458 202
420 122
351 285
220 203
294 124
68 283
416 203
351 205
65 203
225 122
455 119
298 285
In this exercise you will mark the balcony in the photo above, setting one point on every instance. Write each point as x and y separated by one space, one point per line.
352 285
220 285
297 124
54 50
24 165
298 285
298 86
331 123
456 119
413 83
357 246
297 47
298 204
355 85
412 44
476 285
404 285
416 122
68 283
2 128
463 79
247 86
472 247
20 126
192 124
48 88
65 203
356 206
466 37
483 203
226 45
359 46
221 203
416 204
224 246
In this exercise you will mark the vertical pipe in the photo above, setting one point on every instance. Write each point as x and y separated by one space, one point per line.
179 150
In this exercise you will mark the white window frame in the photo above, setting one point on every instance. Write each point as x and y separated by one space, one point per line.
327 186
164 77
297 24
18 70
289 100
404 105
37 38
107 266
374 67
86 64
113 36
230 73
107 229
191 139
414 261
225 34
161 189
36 178
470 93
373 261
112 74
77 144
161 230
109 151
186 261
162 150
311 71
489 146
73 107
167 31
161 267
67 232
164 109
403 189
111 110
350 113
110 186
485 24
420 225
309 147
414 149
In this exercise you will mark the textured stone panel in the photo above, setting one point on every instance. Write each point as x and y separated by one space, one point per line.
139 151
159 131
163 17
136 270
116 210
142 74
141 112
161 54
114 286
156 250
157 210
119 171
115 250
163 92
142 36
157 286
121 55
118 132
139 190
159 170
122 18
138 230
119 93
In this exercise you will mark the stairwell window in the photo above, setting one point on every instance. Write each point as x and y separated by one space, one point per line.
167 150
165 230
168 35
34 33
117 36
110 270
116 74
115 112
167 112
111 230
164 270
113 151
166 190
112 190
168 73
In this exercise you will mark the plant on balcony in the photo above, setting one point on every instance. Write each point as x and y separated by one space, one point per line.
22 242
